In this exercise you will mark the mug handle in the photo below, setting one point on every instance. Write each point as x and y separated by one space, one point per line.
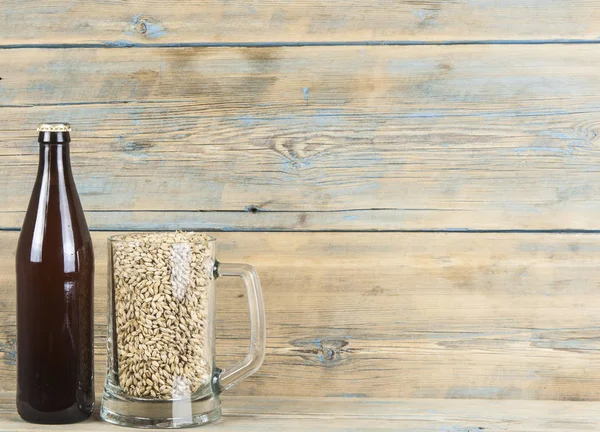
258 329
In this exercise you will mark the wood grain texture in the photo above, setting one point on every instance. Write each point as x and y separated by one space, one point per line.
359 138
115 23
259 414
419 315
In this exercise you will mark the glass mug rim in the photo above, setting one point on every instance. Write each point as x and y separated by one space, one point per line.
123 238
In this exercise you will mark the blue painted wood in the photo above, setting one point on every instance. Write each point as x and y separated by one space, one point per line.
411 315
314 138
293 22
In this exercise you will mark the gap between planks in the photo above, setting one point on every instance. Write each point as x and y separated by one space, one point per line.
128 44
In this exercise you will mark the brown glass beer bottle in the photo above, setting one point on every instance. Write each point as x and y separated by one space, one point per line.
55 272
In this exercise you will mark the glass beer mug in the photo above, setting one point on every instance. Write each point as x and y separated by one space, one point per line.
161 330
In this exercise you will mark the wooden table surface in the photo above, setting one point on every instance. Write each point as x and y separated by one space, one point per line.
343 414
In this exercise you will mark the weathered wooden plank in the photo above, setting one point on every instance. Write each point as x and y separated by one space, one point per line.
217 21
399 415
433 315
494 137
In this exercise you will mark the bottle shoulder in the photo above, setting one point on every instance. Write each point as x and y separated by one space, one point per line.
42 238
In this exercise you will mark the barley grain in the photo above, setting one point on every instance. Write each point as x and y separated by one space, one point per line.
160 284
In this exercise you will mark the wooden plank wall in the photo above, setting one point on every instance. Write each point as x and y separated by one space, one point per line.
115 23
376 138
436 315
451 146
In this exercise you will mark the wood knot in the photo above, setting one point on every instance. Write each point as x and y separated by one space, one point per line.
322 351
146 26
298 154
141 27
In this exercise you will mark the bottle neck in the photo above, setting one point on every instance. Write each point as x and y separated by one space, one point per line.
54 153
54 138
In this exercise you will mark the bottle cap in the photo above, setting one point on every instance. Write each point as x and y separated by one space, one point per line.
54 127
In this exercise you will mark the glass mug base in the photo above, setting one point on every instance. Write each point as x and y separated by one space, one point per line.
160 414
